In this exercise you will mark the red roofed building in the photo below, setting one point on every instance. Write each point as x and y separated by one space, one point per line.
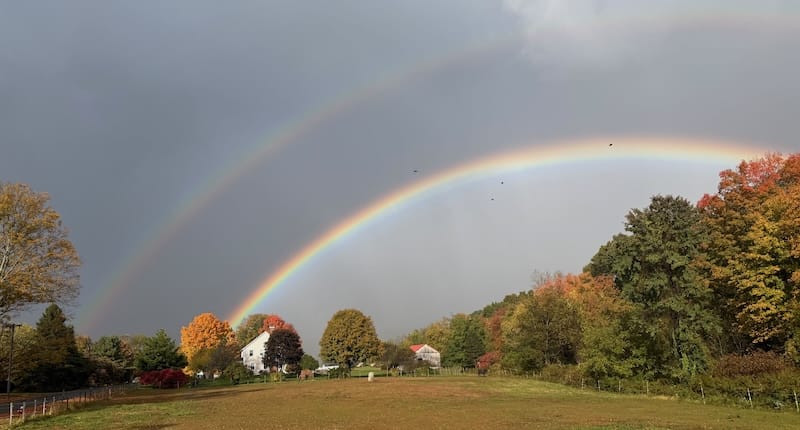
426 352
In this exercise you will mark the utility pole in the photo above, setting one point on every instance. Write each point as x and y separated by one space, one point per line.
10 357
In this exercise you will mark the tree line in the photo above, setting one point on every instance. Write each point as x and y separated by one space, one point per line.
685 290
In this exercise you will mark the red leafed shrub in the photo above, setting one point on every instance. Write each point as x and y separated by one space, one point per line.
755 363
166 378
487 360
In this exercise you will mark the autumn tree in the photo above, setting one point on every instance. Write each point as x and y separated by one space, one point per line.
349 338
25 352
493 315
605 347
753 251
133 345
59 364
84 344
38 263
205 332
435 334
275 322
159 352
543 329
283 349
251 327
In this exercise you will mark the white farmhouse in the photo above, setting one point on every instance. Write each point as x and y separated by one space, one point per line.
425 352
253 353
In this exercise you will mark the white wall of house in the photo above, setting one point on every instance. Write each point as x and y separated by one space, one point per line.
427 353
253 353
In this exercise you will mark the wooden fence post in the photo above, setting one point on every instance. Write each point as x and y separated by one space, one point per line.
749 397
703 393
10 414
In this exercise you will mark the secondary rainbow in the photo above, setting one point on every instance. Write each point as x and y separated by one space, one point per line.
557 153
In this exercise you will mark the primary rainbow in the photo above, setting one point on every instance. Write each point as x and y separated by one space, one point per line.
557 153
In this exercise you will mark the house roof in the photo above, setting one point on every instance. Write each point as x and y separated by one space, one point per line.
424 348
262 338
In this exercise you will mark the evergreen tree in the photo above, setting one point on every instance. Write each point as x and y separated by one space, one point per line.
111 348
59 364
159 352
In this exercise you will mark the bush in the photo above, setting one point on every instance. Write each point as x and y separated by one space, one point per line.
237 372
755 363
562 374
339 372
165 378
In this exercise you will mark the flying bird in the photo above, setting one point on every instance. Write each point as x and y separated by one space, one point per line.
501 182
610 144
416 171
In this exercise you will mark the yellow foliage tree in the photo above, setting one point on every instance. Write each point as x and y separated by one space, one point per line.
38 263
205 331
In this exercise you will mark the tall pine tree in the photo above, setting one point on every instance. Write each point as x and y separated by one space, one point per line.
59 364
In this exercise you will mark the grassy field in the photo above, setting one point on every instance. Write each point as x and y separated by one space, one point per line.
431 403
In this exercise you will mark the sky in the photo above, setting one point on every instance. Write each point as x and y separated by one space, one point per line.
195 148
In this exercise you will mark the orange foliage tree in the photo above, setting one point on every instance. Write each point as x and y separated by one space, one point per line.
753 252
275 322
205 332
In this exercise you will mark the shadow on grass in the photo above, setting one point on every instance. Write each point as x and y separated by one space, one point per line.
152 427
146 395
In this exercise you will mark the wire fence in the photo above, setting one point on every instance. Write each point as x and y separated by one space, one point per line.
740 393
18 411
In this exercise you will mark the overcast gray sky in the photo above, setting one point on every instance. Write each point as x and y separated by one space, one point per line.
126 111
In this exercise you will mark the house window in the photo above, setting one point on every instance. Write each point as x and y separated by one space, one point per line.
251 352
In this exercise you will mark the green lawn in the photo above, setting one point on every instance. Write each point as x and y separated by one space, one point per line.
435 402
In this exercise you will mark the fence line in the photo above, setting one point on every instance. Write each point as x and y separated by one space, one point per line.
55 403
754 395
